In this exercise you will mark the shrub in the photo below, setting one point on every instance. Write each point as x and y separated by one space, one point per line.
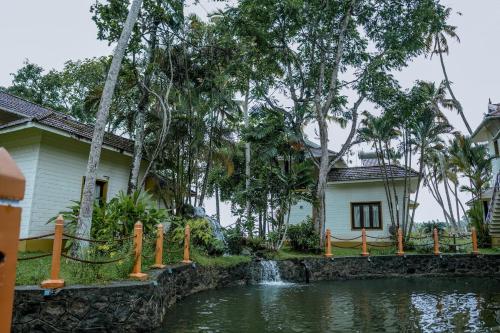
234 240
201 235
303 237
256 243
476 218
117 217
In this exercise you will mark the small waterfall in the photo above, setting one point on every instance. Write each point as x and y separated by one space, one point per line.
270 273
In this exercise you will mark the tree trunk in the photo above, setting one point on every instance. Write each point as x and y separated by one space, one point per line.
420 174
448 86
247 153
140 118
446 191
86 208
217 203
324 168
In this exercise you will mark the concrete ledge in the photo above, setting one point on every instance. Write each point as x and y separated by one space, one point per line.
141 306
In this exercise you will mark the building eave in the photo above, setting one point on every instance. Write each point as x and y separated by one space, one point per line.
34 124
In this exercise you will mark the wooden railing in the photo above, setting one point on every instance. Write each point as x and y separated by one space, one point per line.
496 187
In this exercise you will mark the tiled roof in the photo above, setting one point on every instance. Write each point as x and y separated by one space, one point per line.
58 120
368 173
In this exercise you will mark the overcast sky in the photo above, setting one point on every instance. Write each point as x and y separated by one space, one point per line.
51 32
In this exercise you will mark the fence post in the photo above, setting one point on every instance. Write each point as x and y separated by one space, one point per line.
328 250
136 271
475 250
159 248
187 238
400 243
12 184
436 242
364 251
54 281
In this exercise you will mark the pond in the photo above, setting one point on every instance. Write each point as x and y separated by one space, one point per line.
377 305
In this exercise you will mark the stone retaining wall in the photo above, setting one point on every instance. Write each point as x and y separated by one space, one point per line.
141 306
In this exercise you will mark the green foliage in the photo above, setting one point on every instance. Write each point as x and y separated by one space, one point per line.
201 235
256 243
116 218
234 240
303 237
428 227
476 219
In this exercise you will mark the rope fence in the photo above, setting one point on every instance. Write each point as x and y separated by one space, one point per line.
447 241
136 254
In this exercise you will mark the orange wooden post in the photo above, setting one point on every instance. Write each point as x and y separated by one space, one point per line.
55 281
364 251
136 271
436 242
475 250
400 243
159 248
328 250
12 184
187 239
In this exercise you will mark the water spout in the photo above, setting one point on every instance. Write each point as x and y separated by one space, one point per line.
270 273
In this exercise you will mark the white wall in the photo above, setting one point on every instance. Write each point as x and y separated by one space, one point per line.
24 148
338 207
61 168
300 211
495 162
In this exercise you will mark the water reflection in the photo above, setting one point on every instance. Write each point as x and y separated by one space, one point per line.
385 305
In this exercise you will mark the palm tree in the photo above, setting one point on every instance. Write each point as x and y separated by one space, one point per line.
426 131
437 43
380 131
87 204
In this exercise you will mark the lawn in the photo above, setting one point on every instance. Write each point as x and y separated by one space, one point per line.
32 272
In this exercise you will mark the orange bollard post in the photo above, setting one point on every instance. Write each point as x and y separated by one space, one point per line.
136 271
12 184
436 242
475 250
187 238
54 281
400 243
159 248
364 251
328 249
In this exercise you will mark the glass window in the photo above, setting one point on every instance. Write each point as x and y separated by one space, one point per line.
357 216
366 215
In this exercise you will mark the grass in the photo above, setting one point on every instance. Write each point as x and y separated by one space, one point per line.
32 272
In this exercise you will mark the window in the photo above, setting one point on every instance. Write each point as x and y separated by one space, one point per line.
366 215
100 190
495 145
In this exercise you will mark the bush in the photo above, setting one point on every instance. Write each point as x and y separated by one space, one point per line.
256 243
303 237
201 235
117 217
234 240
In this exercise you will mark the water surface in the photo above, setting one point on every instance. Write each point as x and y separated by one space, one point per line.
381 305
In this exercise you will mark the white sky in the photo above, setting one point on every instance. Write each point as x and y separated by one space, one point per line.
51 32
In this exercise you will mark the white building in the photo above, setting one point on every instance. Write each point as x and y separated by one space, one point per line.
489 132
52 150
356 198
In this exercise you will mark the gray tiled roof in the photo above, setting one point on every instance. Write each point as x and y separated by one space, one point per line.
58 120
368 173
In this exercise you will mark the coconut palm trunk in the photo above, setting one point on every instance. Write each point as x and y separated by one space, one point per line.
86 208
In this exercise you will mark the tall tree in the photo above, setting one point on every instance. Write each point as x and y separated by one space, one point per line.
437 43
151 32
325 49
85 216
